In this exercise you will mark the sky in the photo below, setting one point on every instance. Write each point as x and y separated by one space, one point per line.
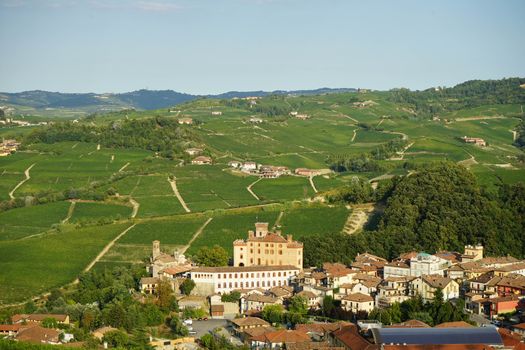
214 46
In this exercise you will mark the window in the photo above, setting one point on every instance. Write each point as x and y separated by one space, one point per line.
251 251
230 284
280 252
280 245
235 284
235 275
273 274
263 274
251 261
241 256
279 274
252 274
230 275
241 248
271 252
258 251
219 285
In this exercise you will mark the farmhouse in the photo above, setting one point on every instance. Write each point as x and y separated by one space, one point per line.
309 172
37 318
302 116
267 248
272 172
216 113
475 140
212 280
256 120
201 160
8 146
193 151
249 166
235 164
187 121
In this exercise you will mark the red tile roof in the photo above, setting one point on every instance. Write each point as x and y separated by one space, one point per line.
350 337
457 324
283 336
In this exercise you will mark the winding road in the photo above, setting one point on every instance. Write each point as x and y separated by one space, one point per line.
177 194
26 172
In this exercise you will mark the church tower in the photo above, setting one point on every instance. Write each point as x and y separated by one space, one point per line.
156 249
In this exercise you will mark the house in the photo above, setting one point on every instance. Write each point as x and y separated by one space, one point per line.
283 292
186 121
234 164
263 247
38 318
217 311
193 151
38 335
149 285
293 113
472 253
302 116
222 309
160 262
312 300
348 338
427 285
357 302
10 329
249 166
201 160
241 325
393 290
396 269
309 172
475 140
278 339
258 302
216 113
492 307
256 120
220 280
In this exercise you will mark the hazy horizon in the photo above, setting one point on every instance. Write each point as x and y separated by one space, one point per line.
211 47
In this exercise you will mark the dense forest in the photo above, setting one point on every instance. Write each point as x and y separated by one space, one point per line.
440 207
163 135
469 94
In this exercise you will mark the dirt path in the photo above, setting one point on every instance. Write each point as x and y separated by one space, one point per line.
105 250
26 173
354 135
479 118
346 116
514 135
249 188
136 206
124 167
468 162
311 179
404 136
177 194
278 220
199 231
70 212
401 154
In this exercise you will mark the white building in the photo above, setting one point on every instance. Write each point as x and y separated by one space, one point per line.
426 264
211 280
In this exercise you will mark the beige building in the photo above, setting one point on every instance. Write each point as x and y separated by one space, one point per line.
427 285
267 248
358 302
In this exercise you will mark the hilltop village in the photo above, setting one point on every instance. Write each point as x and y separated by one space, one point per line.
244 303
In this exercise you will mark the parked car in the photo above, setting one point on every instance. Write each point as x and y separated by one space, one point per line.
188 322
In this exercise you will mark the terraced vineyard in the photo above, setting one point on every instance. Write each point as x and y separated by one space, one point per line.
48 244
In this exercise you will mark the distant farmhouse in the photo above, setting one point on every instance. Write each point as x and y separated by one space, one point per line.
216 113
475 140
8 146
201 160
193 151
264 171
187 121
256 120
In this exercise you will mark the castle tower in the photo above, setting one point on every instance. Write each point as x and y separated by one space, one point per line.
156 249
261 229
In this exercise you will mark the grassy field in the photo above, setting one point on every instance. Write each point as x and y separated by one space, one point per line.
172 231
23 222
93 211
283 188
35 265
305 221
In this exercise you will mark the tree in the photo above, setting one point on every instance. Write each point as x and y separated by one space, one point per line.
232 297
49 322
298 304
165 298
187 286
328 305
30 307
272 313
177 327
116 339
216 256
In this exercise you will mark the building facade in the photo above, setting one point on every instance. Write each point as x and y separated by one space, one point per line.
267 248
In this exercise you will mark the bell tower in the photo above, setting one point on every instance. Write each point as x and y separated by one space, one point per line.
156 249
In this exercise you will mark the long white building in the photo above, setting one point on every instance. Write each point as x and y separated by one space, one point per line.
221 280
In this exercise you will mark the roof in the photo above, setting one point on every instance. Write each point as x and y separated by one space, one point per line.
410 324
262 298
307 294
270 237
436 281
175 270
250 321
320 327
358 297
245 268
438 347
38 334
10 327
217 308
324 345
350 337
456 324
257 331
38 317
283 336
99 332
149 280
368 257
437 336
519 326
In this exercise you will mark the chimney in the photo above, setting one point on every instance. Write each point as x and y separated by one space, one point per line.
289 238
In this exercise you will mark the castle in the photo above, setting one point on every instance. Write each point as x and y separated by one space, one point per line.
267 248
161 261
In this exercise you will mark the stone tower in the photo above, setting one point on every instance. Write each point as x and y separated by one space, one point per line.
156 249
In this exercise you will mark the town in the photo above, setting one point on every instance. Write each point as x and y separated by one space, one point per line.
266 299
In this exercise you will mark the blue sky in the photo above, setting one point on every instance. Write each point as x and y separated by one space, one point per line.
200 46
